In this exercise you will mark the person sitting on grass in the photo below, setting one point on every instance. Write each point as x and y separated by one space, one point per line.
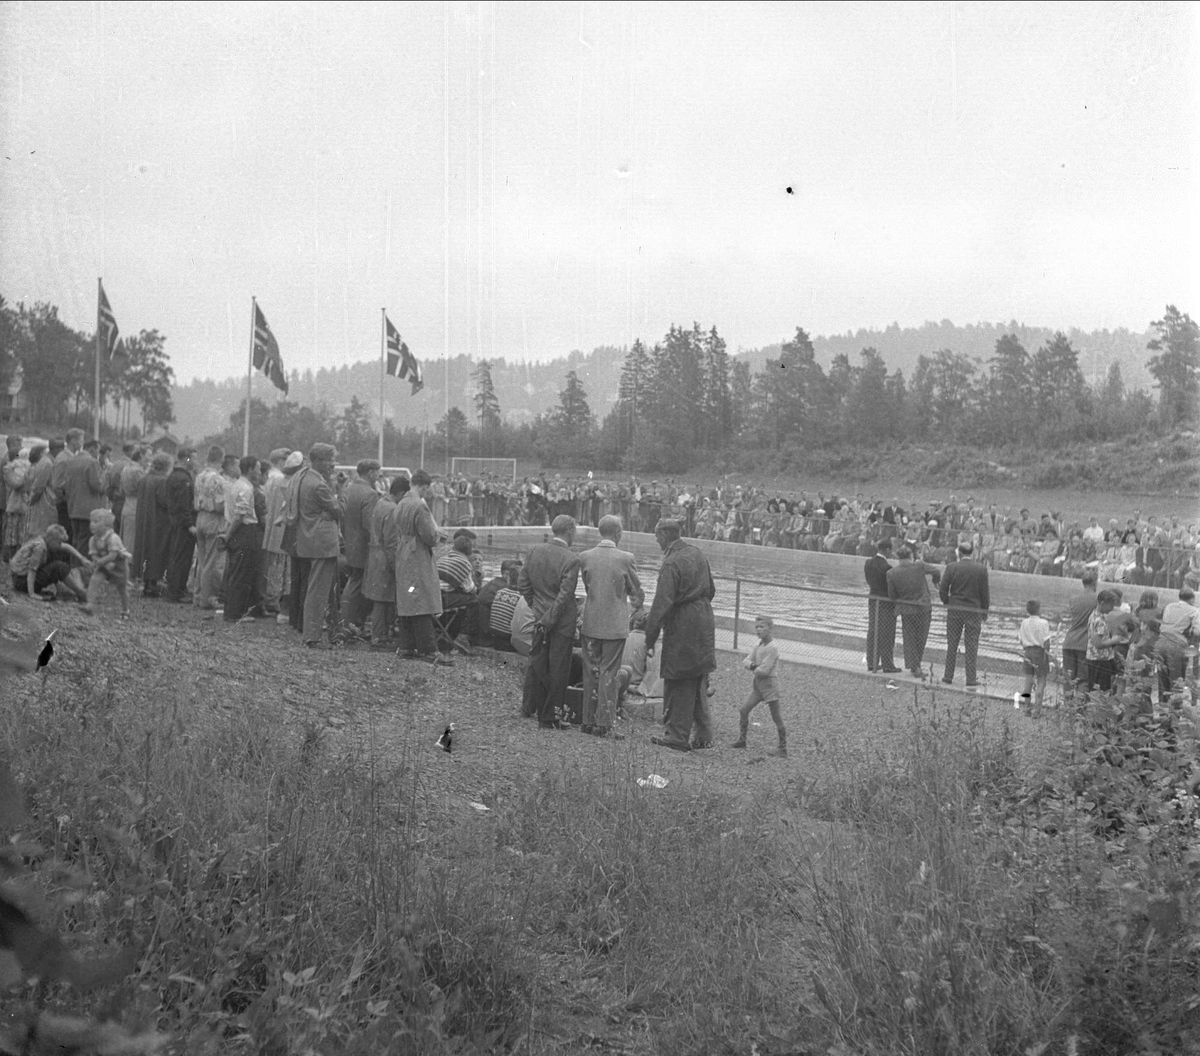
1034 636
762 661
109 559
43 564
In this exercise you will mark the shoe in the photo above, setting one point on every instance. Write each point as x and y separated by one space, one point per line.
947 681
281 617
676 746
604 731
437 660
409 654
588 729
554 724
739 743
698 746
778 753
974 685
891 670
248 618
315 645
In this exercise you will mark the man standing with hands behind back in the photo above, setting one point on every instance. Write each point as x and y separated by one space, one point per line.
612 583
547 583
964 592
682 613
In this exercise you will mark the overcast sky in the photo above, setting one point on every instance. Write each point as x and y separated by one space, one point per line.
613 168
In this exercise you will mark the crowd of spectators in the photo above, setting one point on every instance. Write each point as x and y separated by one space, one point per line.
1142 551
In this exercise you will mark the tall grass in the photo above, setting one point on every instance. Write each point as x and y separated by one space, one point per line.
294 897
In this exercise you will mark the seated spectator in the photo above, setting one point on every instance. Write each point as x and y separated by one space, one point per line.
457 580
482 633
1182 617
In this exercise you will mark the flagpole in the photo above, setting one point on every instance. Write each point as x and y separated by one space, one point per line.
96 405
382 357
249 378
424 428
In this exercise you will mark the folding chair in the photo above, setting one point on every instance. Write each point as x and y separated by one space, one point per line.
456 610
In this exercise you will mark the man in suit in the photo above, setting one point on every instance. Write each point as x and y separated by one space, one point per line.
357 503
547 583
682 614
612 585
964 592
910 594
83 487
317 516
881 613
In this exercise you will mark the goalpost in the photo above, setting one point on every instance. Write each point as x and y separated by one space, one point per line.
497 468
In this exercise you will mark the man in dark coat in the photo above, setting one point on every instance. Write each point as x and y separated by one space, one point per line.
357 503
181 513
547 582
152 535
881 613
682 614
964 592
910 594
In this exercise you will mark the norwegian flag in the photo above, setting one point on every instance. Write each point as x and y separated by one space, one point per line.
266 351
401 363
110 334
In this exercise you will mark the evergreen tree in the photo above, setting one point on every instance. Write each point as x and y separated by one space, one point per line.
1059 391
741 399
353 430
633 397
794 388
573 417
487 406
1009 392
1176 367
718 397
871 418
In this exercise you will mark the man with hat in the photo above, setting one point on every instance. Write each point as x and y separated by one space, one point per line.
358 501
964 592
682 614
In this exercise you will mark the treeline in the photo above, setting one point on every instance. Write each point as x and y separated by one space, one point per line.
685 402
53 368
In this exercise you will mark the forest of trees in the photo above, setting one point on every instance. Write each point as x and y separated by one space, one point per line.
55 367
685 402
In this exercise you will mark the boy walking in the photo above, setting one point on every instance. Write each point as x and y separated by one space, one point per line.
762 661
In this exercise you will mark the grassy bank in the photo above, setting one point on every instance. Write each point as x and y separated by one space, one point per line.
947 885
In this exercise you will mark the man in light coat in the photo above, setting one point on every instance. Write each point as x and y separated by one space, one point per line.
317 516
418 593
275 558
357 503
612 585
547 583
682 614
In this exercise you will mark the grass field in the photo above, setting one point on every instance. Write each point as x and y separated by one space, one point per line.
301 869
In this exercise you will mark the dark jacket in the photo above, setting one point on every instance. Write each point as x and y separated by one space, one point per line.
682 612
357 504
965 586
180 489
547 583
907 583
875 571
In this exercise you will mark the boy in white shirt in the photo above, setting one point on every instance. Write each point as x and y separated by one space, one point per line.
110 561
1034 636
763 659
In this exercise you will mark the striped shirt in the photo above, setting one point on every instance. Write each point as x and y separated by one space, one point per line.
454 570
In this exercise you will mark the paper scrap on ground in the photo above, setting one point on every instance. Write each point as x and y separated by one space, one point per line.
653 781
481 807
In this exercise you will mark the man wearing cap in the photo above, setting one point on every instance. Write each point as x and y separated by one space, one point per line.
964 592
682 614
612 584
317 516
881 613
357 503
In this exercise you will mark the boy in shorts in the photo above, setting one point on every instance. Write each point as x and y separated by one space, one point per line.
1034 636
762 661
110 561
